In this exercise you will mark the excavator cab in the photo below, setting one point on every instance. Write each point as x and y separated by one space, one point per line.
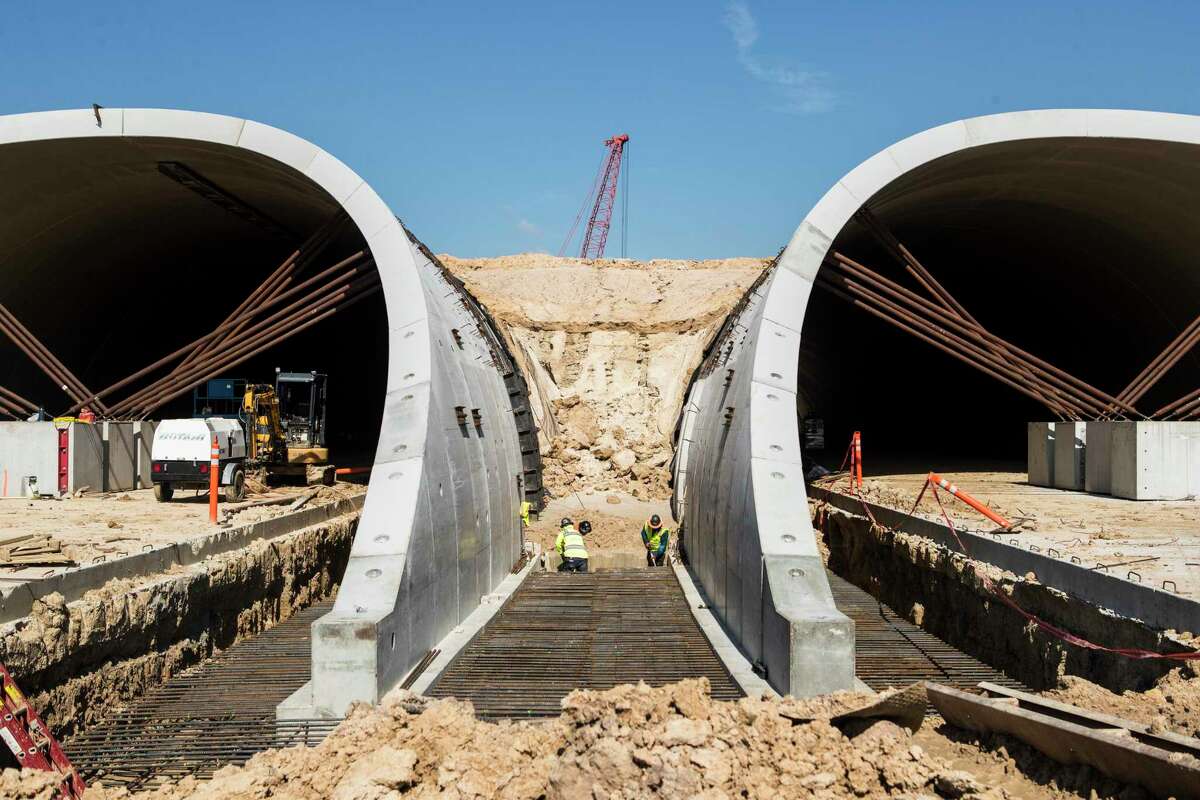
302 413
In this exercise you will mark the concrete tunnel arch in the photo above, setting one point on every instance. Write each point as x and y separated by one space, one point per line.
440 527
1104 197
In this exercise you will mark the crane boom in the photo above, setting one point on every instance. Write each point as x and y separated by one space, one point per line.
596 235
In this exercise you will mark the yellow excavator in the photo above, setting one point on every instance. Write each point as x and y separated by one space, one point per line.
285 425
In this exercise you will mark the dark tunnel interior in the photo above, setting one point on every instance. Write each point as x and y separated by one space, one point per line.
1080 251
113 262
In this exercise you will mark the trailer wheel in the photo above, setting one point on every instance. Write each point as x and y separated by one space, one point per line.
163 492
236 490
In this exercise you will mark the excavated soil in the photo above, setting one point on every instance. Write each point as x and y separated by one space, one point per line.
80 661
946 594
607 348
631 741
1173 704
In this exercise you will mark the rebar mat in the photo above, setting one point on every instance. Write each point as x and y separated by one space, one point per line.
891 651
216 713
560 632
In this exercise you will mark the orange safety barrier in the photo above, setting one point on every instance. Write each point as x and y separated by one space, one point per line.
858 458
214 469
351 470
942 483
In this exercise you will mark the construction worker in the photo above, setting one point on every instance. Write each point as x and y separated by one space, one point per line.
655 537
569 545
526 507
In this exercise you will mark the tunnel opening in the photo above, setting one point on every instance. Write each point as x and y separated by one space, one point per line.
120 250
1077 250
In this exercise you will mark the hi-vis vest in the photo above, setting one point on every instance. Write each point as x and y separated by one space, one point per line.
570 543
651 536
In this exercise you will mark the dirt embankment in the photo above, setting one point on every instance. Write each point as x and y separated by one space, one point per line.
79 661
607 348
631 741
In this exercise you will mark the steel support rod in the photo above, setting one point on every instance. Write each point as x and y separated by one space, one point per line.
1051 396
322 239
926 279
153 397
7 407
66 376
27 348
1158 372
230 323
829 287
282 332
1049 371
1170 409
323 235
18 401
952 340
1142 376
293 312
127 404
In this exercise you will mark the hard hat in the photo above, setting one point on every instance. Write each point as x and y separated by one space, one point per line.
565 521
655 520
585 527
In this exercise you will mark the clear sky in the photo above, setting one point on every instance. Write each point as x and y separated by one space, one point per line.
482 123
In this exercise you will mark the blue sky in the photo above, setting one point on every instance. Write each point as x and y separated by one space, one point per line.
482 123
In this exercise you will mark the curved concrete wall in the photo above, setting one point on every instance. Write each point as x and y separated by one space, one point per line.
440 527
738 480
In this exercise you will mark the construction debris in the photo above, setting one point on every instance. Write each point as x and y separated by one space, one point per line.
33 551
631 741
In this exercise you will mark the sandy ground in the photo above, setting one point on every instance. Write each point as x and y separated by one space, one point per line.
107 527
615 525
1158 540
608 347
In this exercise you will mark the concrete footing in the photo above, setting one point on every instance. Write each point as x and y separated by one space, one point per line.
1070 455
1097 469
1040 448
1146 460
100 457
1155 460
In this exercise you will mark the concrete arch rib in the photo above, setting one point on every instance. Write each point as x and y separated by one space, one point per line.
440 527
739 485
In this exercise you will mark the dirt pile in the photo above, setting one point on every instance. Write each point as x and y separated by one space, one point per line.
1173 704
608 532
632 741
607 348
27 785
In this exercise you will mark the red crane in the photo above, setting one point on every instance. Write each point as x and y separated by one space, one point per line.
604 188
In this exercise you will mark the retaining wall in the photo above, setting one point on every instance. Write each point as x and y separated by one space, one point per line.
738 480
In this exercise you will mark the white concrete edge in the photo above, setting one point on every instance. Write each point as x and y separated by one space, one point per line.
733 659
453 643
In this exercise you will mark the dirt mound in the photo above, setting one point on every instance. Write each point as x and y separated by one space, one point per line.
607 347
1173 704
632 741
27 785
609 532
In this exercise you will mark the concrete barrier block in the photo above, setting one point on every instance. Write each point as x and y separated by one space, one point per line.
1155 460
1097 468
815 654
1070 453
1040 448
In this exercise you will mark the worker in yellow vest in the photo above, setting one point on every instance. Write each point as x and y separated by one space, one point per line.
570 546
526 507
655 536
